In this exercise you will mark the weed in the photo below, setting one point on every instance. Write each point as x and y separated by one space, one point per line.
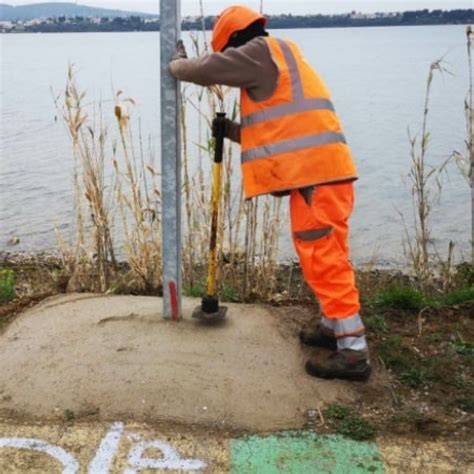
399 297
7 285
462 347
69 415
229 293
347 423
377 324
416 377
461 382
465 404
337 411
395 356
356 427
195 291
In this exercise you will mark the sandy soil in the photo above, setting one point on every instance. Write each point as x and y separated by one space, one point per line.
114 357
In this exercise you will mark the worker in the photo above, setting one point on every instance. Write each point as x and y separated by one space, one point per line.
292 144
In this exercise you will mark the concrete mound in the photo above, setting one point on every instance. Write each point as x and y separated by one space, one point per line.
114 357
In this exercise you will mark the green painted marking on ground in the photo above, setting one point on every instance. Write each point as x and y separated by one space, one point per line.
303 453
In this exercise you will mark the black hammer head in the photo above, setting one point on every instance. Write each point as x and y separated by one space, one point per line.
210 311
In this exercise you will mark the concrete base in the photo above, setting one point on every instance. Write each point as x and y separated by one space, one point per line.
114 357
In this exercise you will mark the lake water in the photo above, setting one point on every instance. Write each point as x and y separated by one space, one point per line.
377 77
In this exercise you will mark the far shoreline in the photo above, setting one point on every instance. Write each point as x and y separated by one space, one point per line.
328 27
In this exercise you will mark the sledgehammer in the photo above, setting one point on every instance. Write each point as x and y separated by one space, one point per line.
210 310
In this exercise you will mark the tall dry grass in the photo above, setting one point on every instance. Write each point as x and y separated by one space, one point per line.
116 198
425 186
118 202
93 252
465 158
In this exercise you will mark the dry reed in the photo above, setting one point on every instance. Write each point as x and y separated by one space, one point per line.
118 205
424 182
465 159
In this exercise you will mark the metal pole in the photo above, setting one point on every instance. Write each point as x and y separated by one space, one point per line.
170 21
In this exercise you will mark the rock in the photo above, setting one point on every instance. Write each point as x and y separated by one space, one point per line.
13 241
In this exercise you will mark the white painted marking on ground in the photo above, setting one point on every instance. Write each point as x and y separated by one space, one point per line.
170 459
70 464
107 450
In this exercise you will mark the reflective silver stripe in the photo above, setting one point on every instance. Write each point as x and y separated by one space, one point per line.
296 84
271 113
293 144
327 323
355 343
313 234
348 326
299 104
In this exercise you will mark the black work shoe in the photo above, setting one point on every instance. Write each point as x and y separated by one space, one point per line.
321 337
345 364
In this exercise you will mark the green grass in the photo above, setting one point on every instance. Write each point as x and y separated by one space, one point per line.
410 298
416 377
395 356
229 293
356 427
336 411
198 290
462 295
348 424
399 297
7 285
404 363
465 404
376 324
195 291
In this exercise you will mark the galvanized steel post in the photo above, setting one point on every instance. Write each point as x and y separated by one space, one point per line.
170 26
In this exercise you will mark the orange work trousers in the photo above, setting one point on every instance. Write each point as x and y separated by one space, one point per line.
319 224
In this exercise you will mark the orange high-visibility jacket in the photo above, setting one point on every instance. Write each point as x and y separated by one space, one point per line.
294 138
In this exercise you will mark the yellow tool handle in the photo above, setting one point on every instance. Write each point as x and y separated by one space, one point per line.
216 192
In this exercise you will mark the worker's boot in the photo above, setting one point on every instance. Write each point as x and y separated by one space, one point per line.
321 337
345 364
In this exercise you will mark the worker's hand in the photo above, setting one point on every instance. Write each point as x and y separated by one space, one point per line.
231 129
180 52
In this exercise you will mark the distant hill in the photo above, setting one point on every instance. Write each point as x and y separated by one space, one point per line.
49 10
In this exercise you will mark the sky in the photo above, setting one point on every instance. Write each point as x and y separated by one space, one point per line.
212 7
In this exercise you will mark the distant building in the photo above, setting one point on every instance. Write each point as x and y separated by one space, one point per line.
33 22
6 25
